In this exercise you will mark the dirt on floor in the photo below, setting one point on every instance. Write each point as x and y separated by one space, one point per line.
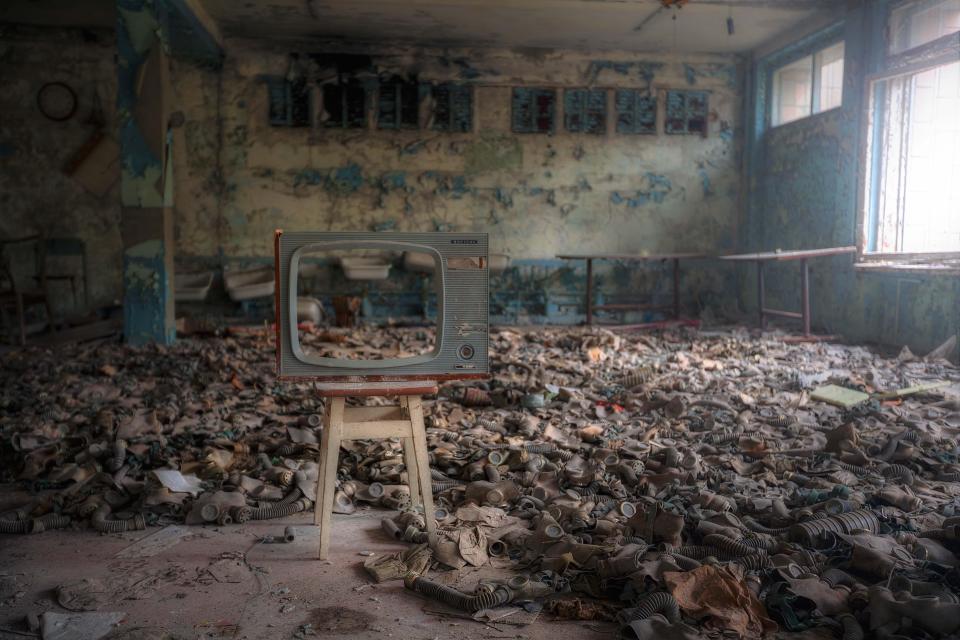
678 484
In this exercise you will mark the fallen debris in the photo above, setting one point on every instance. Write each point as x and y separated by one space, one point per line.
680 483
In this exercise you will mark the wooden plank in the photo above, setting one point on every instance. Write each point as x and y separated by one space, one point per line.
909 391
789 255
364 414
415 406
626 306
82 333
378 429
839 396
327 476
634 257
363 386
413 471
796 315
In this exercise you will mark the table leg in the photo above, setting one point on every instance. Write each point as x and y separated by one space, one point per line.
589 291
761 300
676 288
805 295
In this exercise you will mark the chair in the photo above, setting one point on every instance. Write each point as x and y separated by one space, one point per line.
64 248
404 421
13 296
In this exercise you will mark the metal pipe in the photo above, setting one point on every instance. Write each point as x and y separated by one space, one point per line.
280 510
660 602
497 597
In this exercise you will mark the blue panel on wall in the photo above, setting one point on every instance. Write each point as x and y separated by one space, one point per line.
687 112
289 102
398 107
277 95
636 111
453 107
345 106
533 110
585 110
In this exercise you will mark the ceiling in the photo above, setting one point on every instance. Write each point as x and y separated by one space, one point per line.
701 25
631 25
88 14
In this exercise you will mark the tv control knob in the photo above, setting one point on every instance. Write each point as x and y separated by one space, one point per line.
466 351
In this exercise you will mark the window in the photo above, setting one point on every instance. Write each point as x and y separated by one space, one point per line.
399 103
917 23
914 193
636 111
289 102
344 106
533 110
585 110
452 107
812 84
687 113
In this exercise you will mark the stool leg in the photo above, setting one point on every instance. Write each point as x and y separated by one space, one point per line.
327 477
805 296
415 406
413 470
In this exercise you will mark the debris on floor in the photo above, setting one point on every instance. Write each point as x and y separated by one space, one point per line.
681 484
89 625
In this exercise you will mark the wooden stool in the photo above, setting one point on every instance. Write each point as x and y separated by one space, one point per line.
404 421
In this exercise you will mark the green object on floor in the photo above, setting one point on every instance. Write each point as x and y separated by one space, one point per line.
908 391
839 396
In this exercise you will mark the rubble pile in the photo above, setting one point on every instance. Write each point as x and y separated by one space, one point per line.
683 484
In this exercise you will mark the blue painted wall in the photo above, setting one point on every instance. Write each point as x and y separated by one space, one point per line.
802 180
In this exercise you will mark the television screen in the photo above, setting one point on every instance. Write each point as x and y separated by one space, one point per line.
371 304
390 306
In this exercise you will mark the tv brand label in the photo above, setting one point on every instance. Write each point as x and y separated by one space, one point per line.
465 241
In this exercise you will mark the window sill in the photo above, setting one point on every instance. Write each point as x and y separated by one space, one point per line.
806 118
947 264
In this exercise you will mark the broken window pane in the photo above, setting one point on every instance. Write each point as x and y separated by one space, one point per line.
585 110
453 107
915 195
344 106
918 23
687 112
299 104
534 110
830 77
399 103
636 111
812 84
289 102
793 91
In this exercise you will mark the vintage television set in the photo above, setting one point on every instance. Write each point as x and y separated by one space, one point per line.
460 278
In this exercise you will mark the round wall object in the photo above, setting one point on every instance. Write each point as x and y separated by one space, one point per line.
57 101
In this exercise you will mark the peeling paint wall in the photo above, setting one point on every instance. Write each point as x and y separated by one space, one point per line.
238 178
803 180
35 195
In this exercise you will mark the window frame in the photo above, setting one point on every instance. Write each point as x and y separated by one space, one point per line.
584 97
687 94
815 54
277 84
344 88
400 88
534 92
893 58
908 63
451 88
635 96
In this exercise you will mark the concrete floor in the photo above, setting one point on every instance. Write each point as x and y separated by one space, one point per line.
273 594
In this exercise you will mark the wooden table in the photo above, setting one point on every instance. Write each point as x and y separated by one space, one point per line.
675 258
782 256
